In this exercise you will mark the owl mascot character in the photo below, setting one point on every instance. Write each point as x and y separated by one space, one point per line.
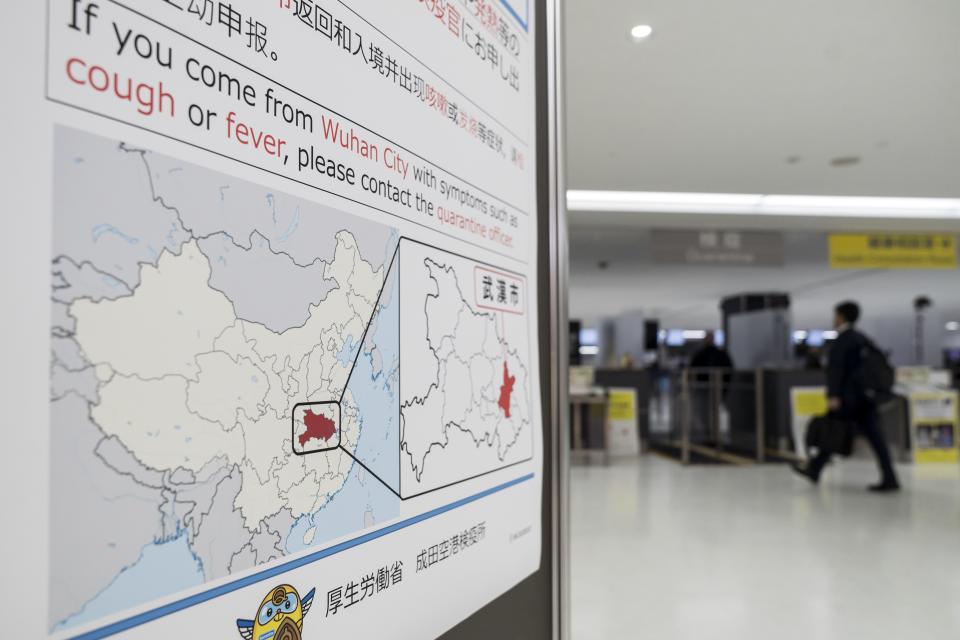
280 616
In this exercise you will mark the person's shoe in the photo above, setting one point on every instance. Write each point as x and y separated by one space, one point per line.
803 471
887 486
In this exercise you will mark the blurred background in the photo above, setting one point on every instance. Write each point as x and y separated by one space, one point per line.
737 169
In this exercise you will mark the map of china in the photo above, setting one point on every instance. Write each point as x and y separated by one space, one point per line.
191 311
199 354
197 391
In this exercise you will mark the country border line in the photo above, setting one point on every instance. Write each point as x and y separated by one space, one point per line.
216 592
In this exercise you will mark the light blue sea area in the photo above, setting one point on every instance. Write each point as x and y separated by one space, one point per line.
163 568
377 392
364 501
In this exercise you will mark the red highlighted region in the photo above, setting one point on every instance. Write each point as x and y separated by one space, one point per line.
319 427
506 389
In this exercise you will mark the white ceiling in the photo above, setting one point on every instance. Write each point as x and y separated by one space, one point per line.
757 96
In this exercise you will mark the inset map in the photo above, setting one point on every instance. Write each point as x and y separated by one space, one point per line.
465 369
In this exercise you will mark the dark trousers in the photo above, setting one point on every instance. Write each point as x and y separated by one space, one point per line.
869 427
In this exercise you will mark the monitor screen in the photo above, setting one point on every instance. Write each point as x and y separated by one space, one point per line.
589 337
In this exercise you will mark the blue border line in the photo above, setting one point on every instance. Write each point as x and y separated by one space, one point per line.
516 16
216 592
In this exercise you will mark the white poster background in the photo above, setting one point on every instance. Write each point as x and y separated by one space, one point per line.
506 502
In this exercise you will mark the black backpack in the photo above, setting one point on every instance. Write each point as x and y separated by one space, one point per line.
875 376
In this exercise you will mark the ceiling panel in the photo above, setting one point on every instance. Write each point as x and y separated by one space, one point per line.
759 97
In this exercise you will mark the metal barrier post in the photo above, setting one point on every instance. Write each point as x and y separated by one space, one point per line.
716 383
577 426
685 417
761 422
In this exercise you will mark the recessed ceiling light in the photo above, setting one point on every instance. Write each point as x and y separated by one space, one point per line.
641 32
953 326
764 205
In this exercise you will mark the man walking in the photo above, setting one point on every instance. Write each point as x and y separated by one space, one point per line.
849 399
707 360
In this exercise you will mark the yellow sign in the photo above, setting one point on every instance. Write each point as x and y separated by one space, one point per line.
935 422
936 456
809 403
893 251
622 405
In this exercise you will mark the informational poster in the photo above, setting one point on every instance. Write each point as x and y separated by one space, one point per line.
917 377
623 437
935 426
806 403
289 320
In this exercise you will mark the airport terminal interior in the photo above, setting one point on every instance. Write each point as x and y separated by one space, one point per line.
699 528
472 319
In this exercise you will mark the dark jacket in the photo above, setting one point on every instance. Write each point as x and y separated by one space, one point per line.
843 371
711 357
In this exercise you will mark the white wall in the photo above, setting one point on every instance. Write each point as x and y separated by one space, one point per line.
896 334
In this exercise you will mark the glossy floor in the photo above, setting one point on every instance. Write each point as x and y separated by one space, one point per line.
665 552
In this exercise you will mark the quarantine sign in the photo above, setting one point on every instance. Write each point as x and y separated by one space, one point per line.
893 251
